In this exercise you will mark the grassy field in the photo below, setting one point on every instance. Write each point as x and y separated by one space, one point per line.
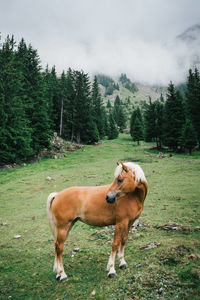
170 220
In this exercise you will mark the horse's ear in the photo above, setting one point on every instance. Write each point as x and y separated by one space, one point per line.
124 167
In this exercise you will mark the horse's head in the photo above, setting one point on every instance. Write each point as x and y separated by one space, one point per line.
124 183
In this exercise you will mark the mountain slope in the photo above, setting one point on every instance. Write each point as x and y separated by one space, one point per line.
142 93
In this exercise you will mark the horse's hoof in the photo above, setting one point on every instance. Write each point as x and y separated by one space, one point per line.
111 275
63 277
123 266
58 277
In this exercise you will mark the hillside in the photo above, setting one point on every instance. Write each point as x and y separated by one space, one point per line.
142 92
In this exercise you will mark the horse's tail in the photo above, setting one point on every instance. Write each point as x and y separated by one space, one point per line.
50 214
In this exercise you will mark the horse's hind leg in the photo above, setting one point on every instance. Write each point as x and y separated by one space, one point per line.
59 244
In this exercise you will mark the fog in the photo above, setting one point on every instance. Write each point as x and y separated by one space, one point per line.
136 37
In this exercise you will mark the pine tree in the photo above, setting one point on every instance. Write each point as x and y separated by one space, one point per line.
121 119
137 133
193 100
39 120
113 131
55 98
119 114
105 121
150 121
69 111
85 129
154 122
97 108
15 134
116 108
36 98
135 114
188 138
63 96
24 66
108 104
47 90
159 126
174 118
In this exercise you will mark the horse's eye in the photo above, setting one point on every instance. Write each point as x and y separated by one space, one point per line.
120 180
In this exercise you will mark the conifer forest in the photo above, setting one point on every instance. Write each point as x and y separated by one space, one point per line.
35 103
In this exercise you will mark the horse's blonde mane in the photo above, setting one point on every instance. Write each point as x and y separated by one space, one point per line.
139 174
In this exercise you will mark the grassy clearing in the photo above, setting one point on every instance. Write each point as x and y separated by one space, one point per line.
169 271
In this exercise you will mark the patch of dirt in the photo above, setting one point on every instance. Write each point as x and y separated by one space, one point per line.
150 246
177 227
103 235
175 255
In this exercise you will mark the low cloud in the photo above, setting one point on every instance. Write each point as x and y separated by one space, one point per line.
145 62
136 37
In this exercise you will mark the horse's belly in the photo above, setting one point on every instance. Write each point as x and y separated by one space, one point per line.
98 220
98 215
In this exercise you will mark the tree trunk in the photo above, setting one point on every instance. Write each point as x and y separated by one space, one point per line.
61 118
78 138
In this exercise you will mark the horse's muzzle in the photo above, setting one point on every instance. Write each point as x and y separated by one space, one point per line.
111 197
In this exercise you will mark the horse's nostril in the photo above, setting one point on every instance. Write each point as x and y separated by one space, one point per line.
107 198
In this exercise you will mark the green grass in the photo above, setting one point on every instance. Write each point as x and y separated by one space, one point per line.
170 271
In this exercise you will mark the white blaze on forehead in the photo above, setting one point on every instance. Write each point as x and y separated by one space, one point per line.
139 174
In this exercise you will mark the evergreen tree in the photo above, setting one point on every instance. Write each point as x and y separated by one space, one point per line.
85 129
55 98
109 104
193 100
69 111
24 66
162 98
97 107
15 134
174 118
188 138
159 129
137 133
49 94
121 119
105 121
119 114
36 100
116 107
135 114
39 120
150 121
113 131
154 121
63 97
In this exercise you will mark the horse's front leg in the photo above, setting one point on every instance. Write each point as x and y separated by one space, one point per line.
122 262
120 232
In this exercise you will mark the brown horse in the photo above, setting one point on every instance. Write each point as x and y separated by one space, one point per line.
119 203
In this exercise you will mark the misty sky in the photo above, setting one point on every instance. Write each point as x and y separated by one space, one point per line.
136 37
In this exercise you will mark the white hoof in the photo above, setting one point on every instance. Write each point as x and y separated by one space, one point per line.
63 276
122 266
111 275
